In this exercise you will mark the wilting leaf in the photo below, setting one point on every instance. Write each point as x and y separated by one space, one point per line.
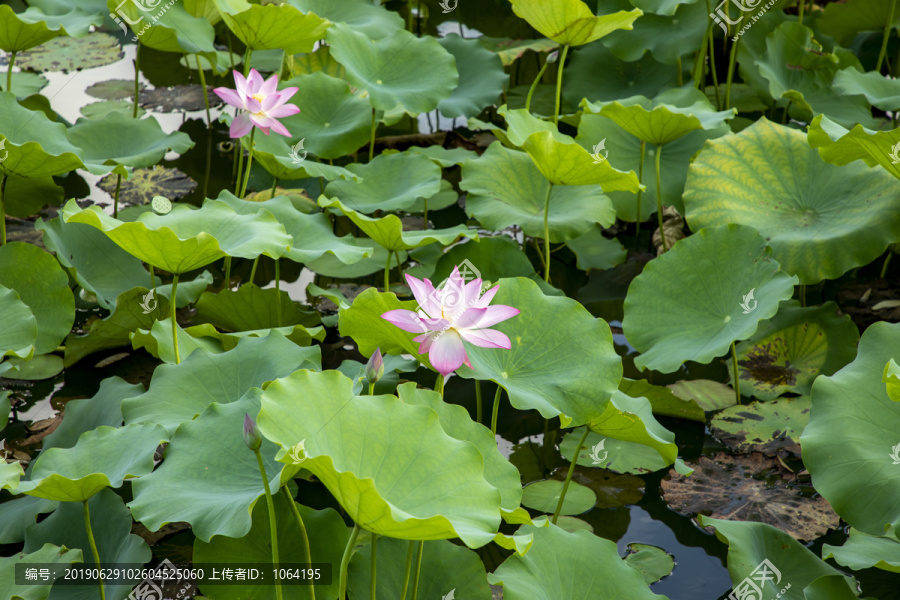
143 184
177 98
70 54
772 428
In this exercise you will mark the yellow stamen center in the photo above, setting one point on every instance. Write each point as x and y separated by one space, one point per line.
259 98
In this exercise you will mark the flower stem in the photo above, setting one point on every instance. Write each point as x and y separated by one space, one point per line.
93 543
372 136
273 527
439 384
699 68
409 557
374 554
208 125
274 185
2 210
173 305
712 60
680 69
387 273
415 589
547 232
345 560
887 35
227 272
562 495
887 261
659 210
559 77
496 410
277 293
303 536
737 382
116 198
249 163
425 216
802 8
478 400
731 62
637 216
12 62
535 84
371 388
152 278
137 82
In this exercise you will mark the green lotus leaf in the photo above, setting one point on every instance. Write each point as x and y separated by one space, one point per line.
852 411
653 32
416 73
5 407
594 251
571 21
48 553
203 8
329 265
481 77
388 231
316 62
26 196
557 564
664 401
96 109
187 239
10 473
36 368
709 395
273 27
420 483
70 54
494 257
444 198
33 27
699 316
544 495
20 512
891 379
117 139
839 146
300 335
772 428
509 50
175 30
616 455
210 471
43 287
18 327
249 308
567 163
767 177
389 182
325 531
880 91
157 340
530 370
661 7
374 21
25 84
178 393
276 155
506 188
103 457
788 352
445 157
631 420
862 551
749 544
845 20
652 562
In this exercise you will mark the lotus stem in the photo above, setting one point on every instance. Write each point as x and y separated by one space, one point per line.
534 84
887 35
802 8
712 60
562 495
659 210
439 385
478 400
425 216
345 560
249 164
12 62
137 81
699 72
371 388
559 77
803 296
387 273
887 261
680 76
303 536
253 270
116 198
374 551
495 410
152 278
784 117
247 54
637 216
2 210
173 304
731 62
372 136
277 293
227 272
208 125
93 543
409 557
547 233
737 381
273 527
415 589
274 186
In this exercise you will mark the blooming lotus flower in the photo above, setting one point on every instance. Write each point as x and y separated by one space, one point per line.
261 102
450 315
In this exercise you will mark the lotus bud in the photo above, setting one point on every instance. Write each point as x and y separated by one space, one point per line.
252 436
375 367
553 57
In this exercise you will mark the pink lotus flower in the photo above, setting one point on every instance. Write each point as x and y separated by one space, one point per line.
262 103
450 315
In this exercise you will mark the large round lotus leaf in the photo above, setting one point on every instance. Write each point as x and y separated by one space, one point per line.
769 178
772 428
852 431
571 21
20 512
33 27
273 27
788 352
180 392
843 21
325 531
418 483
116 139
880 91
187 239
481 77
445 157
298 334
250 307
175 30
569 565
203 8
388 231
506 188
47 554
158 342
374 21
653 33
789 562
103 457
594 72
862 551
390 182
18 327
178 98
840 146
416 73
43 286
71 54
544 495
747 488
494 257
448 571
33 369
686 304
510 50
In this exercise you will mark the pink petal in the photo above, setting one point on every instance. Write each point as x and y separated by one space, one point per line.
469 318
286 93
240 126
487 297
486 338
231 97
447 352
406 320
253 105
240 83
495 314
277 127
279 112
426 339
473 291
260 120
254 82
269 86
424 294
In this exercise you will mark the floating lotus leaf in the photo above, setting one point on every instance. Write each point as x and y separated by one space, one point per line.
390 182
388 231
18 327
181 240
653 32
788 352
418 484
374 21
174 30
43 287
845 20
144 184
556 565
25 84
177 98
768 178
840 146
738 487
103 457
33 369
249 308
709 395
112 89
481 77
862 551
616 455
398 69
571 21
33 27
880 91
178 393
848 445
272 26
98 109
48 553
510 50
594 251
71 54
543 496
698 317
772 428
652 562
664 401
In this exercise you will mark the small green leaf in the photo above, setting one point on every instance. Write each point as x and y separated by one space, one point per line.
652 562
48 553
18 327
